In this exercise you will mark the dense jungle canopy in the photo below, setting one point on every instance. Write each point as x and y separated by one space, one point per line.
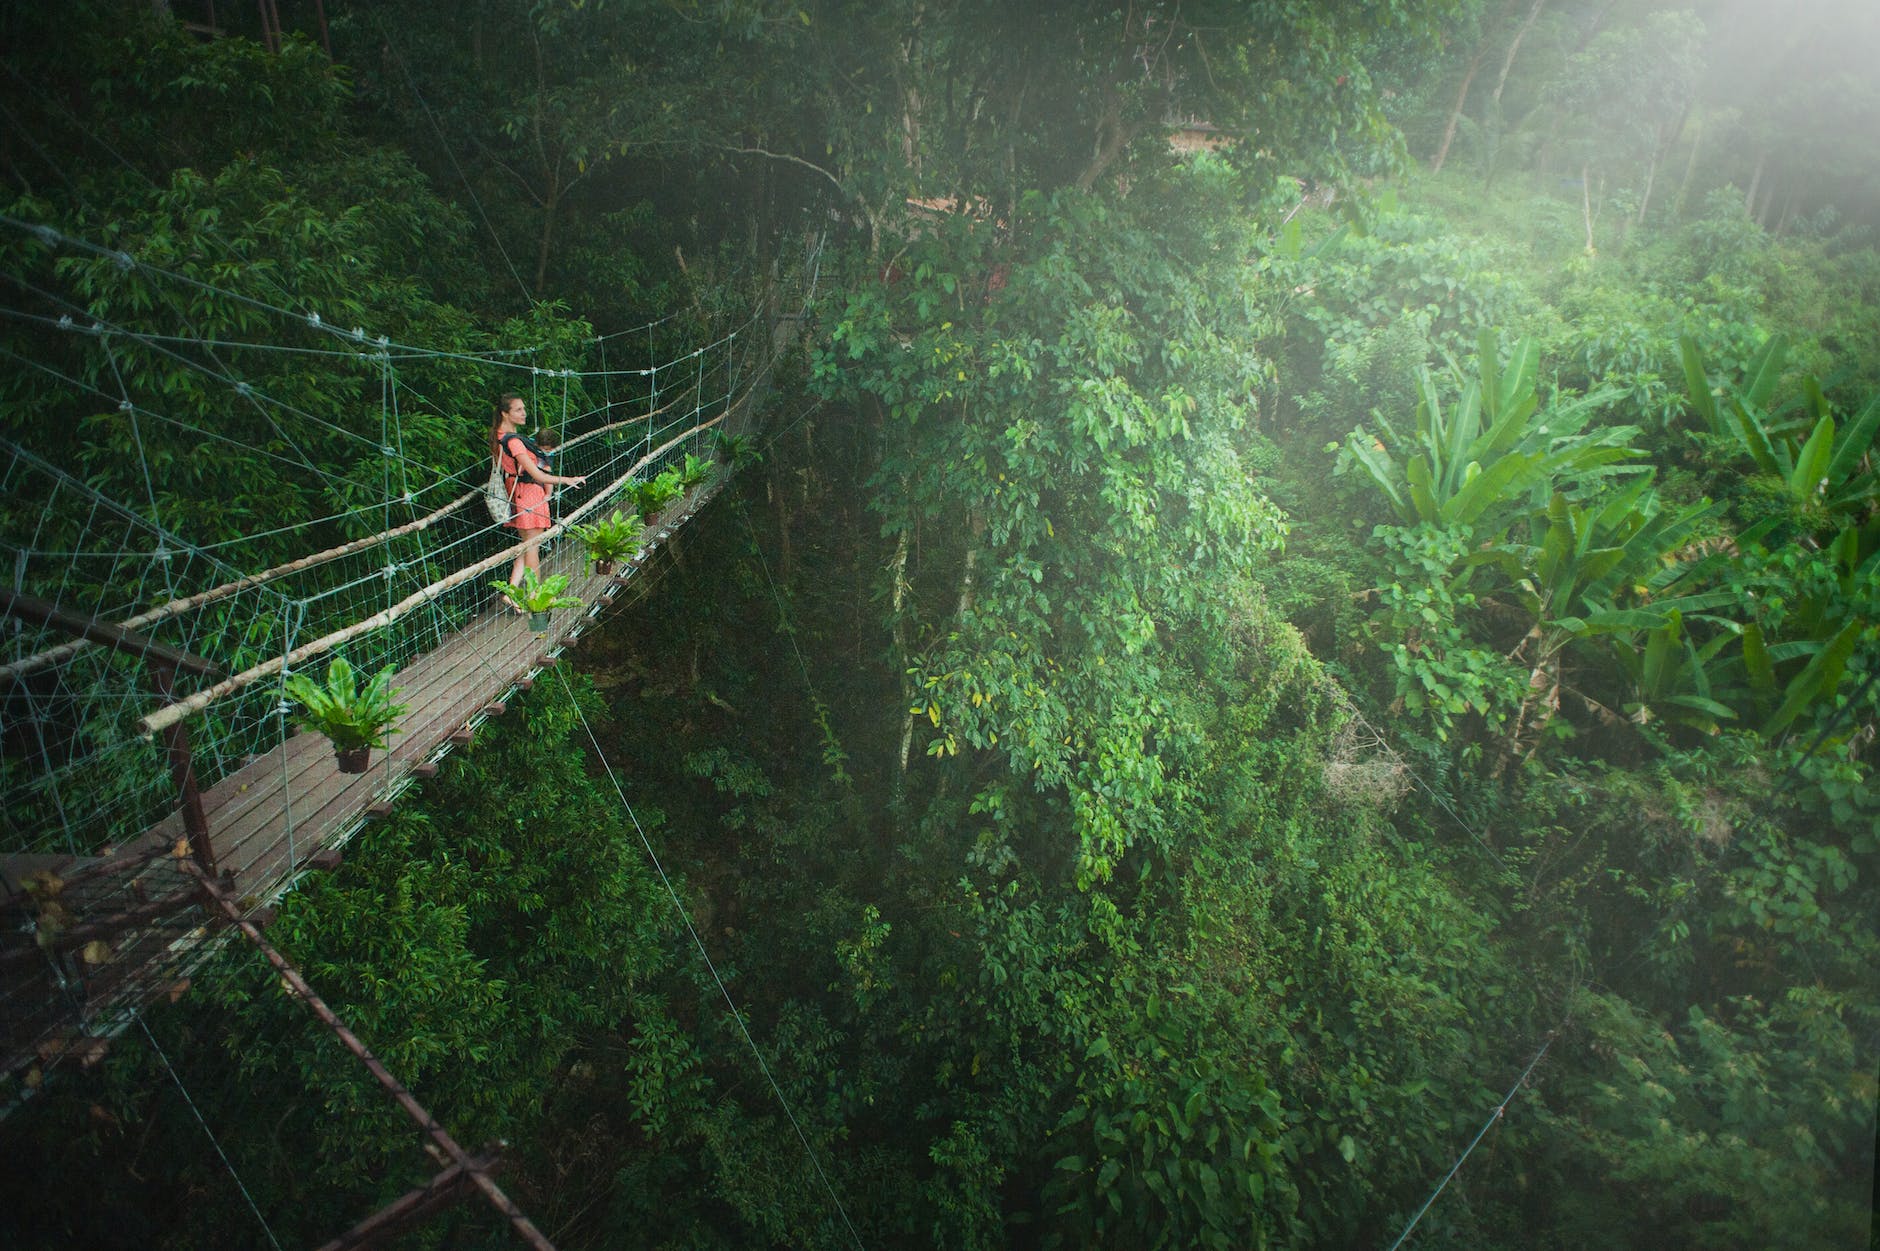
1311 602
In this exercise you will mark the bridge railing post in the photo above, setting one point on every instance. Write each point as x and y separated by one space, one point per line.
183 770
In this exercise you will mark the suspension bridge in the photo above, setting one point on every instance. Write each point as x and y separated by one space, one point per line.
158 797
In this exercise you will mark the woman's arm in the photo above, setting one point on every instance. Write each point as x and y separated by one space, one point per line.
525 462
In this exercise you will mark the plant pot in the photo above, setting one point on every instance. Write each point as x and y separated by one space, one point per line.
352 759
538 622
603 567
651 519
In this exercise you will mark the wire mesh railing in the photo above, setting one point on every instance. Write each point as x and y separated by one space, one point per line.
76 774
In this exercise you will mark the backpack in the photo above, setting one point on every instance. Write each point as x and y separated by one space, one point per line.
499 492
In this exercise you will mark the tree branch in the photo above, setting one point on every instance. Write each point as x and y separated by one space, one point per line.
792 159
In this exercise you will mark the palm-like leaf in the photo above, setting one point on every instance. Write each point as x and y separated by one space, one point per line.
350 715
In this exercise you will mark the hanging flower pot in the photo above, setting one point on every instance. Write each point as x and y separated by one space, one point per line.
352 759
604 567
538 622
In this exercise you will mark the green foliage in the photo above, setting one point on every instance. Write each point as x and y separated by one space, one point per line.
1494 450
1440 671
1825 481
740 451
349 714
538 594
654 494
612 538
693 471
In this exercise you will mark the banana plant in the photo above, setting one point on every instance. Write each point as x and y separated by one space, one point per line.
1738 674
1819 466
1494 451
1571 580
1778 703
1670 678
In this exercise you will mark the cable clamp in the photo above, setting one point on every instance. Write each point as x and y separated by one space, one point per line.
313 319
359 334
385 340
48 236
244 390
65 321
386 448
124 261
125 406
162 554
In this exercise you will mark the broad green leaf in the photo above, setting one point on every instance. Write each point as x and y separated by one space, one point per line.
1817 681
1811 463
1697 382
1855 442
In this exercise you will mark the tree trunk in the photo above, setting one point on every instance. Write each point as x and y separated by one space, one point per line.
1112 137
1586 205
1514 46
1767 202
1755 181
910 100
1651 176
1491 113
1593 27
783 531
965 604
549 206
897 597
1690 171
1455 112
1788 213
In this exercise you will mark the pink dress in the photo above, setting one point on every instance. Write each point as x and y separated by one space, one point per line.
528 498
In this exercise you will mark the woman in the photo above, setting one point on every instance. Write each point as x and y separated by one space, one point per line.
528 482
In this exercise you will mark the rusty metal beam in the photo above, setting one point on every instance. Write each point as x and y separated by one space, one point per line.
117 638
92 868
413 1206
425 1121
110 927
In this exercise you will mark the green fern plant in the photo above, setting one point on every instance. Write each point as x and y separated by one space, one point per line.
655 494
350 715
610 539
736 450
538 594
694 471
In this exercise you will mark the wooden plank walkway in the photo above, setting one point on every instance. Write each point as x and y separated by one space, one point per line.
269 821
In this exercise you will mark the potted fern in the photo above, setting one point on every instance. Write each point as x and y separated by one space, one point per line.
694 471
655 494
538 596
354 718
610 540
736 450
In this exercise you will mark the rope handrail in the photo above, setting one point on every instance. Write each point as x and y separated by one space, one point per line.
188 603
170 714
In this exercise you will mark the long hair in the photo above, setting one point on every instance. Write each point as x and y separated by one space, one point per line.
503 402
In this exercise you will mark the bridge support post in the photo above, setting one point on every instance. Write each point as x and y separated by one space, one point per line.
183 771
